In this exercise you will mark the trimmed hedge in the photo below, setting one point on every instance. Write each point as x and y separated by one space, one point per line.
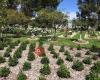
51 47
26 66
45 60
4 71
31 56
87 60
21 76
45 70
60 61
2 59
63 72
62 49
78 66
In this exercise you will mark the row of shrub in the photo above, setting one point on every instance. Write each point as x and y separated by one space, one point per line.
95 72
13 60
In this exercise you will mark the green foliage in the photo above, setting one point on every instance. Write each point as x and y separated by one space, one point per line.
94 57
31 56
4 71
7 52
51 48
96 67
92 76
87 60
69 58
88 53
67 53
13 61
78 66
26 66
45 60
42 78
56 55
45 70
60 61
32 47
95 71
21 76
62 49
78 47
78 55
2 59
52 52
63 72
1 46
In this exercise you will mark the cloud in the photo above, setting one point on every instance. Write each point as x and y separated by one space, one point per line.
72 15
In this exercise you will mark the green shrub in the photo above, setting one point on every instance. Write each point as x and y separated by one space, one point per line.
45 60
12 45
78 66
67 53
87 60
78 47
53 52
62 49
63 72
92 76
1 46
78 55
7 52
2 59
69 58
4 71
26 66
42 78
56 55
94 57
13 61
51 47
96 67
31 56
45 70
60 61
32 47
21 76
88 53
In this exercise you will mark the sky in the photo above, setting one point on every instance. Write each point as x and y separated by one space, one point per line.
69 6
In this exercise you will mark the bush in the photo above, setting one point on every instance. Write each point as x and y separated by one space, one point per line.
62 49
69 58
53 52
78 55
87 60
2 59
12 45
42 78
88 53
92 76
96 67
1 46
32 47
13 61
21 76
26 66
31 56
45 70
63 72
51 47
45 60
4 72
7 52
56 55
78 47
60 61
78 66
67 53
94 57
